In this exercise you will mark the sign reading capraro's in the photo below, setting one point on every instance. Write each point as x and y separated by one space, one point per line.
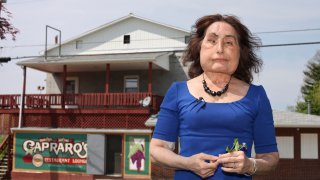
47 152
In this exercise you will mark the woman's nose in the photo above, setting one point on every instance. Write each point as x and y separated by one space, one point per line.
219 47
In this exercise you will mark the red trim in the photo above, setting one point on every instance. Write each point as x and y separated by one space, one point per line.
51 175
79 111
107 77
23 93
64 88
82 101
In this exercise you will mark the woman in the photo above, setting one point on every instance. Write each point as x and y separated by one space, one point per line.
216 107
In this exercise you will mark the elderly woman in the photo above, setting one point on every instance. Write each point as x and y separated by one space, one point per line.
217 108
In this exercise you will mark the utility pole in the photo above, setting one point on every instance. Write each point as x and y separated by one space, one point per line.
309 106
46 42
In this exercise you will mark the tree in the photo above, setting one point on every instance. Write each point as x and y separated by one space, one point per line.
311 87
5 25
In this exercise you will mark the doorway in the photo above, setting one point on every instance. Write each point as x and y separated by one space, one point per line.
114 155
72 88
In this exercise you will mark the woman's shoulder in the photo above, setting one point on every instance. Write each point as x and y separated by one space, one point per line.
178 85
258 92
250 90
257 87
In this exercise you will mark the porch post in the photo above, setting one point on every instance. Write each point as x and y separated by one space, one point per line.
64 88
106 96
107 77
23 94
150 78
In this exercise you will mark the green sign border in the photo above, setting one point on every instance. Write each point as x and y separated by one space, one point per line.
146 154
19 164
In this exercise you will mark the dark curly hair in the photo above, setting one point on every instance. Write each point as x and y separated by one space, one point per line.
249 62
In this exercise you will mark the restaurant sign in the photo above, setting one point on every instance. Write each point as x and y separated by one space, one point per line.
50 152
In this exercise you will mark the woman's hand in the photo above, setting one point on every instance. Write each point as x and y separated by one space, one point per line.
235 162
202 164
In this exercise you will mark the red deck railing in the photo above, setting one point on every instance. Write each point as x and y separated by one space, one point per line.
84 100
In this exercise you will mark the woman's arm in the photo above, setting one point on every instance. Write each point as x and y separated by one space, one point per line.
237 162
266 162
202 164
163 154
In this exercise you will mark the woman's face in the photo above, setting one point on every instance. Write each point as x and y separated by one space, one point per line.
220 50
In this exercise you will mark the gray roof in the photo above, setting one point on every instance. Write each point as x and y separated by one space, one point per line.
84 62
94 58
294 119
281 119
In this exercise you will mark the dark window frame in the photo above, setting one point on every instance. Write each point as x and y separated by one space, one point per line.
126 39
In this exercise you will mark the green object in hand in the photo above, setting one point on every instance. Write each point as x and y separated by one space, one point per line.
236 146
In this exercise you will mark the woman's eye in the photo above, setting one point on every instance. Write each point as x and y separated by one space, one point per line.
229 43
212 41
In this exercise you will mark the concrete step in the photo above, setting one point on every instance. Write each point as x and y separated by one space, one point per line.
3 170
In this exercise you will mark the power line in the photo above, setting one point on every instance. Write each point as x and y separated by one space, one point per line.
286 31
77 55
269 45
290 44
163 38
183 38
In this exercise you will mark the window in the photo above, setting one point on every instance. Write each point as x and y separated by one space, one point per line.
72 85
186 39
79 44
126 39
131 84
309 146
285 147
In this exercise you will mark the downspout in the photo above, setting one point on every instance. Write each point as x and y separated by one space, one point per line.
106 97
152 107
107 78
22 97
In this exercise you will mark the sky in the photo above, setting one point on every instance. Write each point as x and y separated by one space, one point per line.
282 73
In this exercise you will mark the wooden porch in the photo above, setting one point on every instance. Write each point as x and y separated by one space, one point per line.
81 101
86 110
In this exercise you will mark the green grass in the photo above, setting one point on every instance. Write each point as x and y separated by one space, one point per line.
1 138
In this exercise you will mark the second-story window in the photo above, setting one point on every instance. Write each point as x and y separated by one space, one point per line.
126 39
131 84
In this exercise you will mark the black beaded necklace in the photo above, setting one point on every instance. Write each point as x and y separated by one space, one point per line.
214 93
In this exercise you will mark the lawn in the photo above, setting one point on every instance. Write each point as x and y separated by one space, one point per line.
1 138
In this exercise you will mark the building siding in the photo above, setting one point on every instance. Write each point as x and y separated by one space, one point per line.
144 37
